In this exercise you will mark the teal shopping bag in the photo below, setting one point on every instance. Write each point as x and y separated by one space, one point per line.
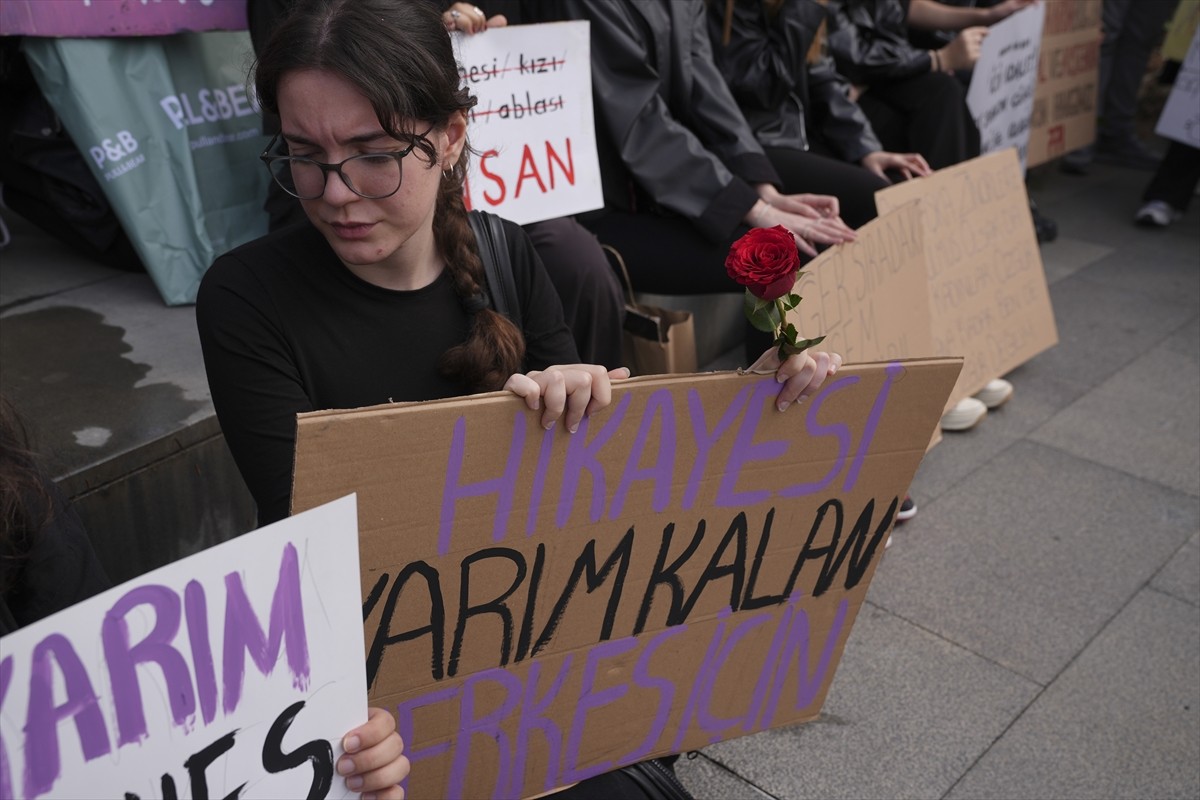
172 133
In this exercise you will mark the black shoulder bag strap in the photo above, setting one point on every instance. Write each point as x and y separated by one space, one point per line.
497 267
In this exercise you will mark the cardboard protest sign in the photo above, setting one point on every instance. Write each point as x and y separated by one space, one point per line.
869 298
1180 119
232 673
533 123
988 297
1064 105
1004 79
118 17
541 606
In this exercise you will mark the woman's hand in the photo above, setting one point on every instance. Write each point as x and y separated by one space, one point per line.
910 165
814 206
470 19
570 390
1006 9
963 51
801 375
374 763
812 218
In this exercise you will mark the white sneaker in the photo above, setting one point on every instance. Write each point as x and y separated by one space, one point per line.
964 416
1156 214
995 394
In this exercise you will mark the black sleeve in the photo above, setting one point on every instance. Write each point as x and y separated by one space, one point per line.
256 386
869 42
548 340
842 123
755 62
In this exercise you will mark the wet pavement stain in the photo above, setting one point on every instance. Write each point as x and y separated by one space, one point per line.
67 372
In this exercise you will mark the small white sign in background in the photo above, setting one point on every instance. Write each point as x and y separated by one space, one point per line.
1180 119
1004 79
533 124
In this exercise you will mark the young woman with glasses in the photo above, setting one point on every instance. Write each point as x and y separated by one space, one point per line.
380 298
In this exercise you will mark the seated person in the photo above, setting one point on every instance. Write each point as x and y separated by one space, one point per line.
798 104
910 95
683 174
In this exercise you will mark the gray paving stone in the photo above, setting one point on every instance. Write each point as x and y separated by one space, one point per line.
1067 255
1031 555
907 714
1099 208
36 265
1039 393
1101 329
1159 268
1180 578
706 779
1133 421
1122 721
1186 339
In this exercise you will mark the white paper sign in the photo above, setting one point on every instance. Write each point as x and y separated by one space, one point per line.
241 666
1004 79
533 123
1180 119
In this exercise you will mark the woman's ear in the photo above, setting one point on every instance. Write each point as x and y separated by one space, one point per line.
455 133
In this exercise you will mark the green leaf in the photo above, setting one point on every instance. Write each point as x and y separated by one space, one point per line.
763 314
792 348
793 300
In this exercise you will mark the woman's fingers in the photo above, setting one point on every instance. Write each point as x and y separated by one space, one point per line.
803 245
554 396
802 375
374 761
566 391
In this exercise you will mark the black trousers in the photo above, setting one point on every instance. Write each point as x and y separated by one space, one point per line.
592 297
1175 180
924 114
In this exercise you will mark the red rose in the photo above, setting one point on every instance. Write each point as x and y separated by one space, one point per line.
765 261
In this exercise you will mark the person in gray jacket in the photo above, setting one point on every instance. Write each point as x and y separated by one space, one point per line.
799 105
683 173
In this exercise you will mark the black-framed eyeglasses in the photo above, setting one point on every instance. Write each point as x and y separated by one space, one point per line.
370 175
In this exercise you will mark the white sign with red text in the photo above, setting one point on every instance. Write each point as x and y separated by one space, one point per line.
532 125
234 672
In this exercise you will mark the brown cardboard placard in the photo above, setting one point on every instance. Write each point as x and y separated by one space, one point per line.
988 296
1064 111
868 298
541 606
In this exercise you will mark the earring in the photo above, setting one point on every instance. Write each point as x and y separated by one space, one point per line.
448 174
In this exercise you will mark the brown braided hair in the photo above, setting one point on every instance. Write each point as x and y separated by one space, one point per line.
398 54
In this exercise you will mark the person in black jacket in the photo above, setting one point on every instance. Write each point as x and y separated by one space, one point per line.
799 107
682 172
911 96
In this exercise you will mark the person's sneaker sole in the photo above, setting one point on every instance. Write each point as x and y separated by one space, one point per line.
964 416
995 394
